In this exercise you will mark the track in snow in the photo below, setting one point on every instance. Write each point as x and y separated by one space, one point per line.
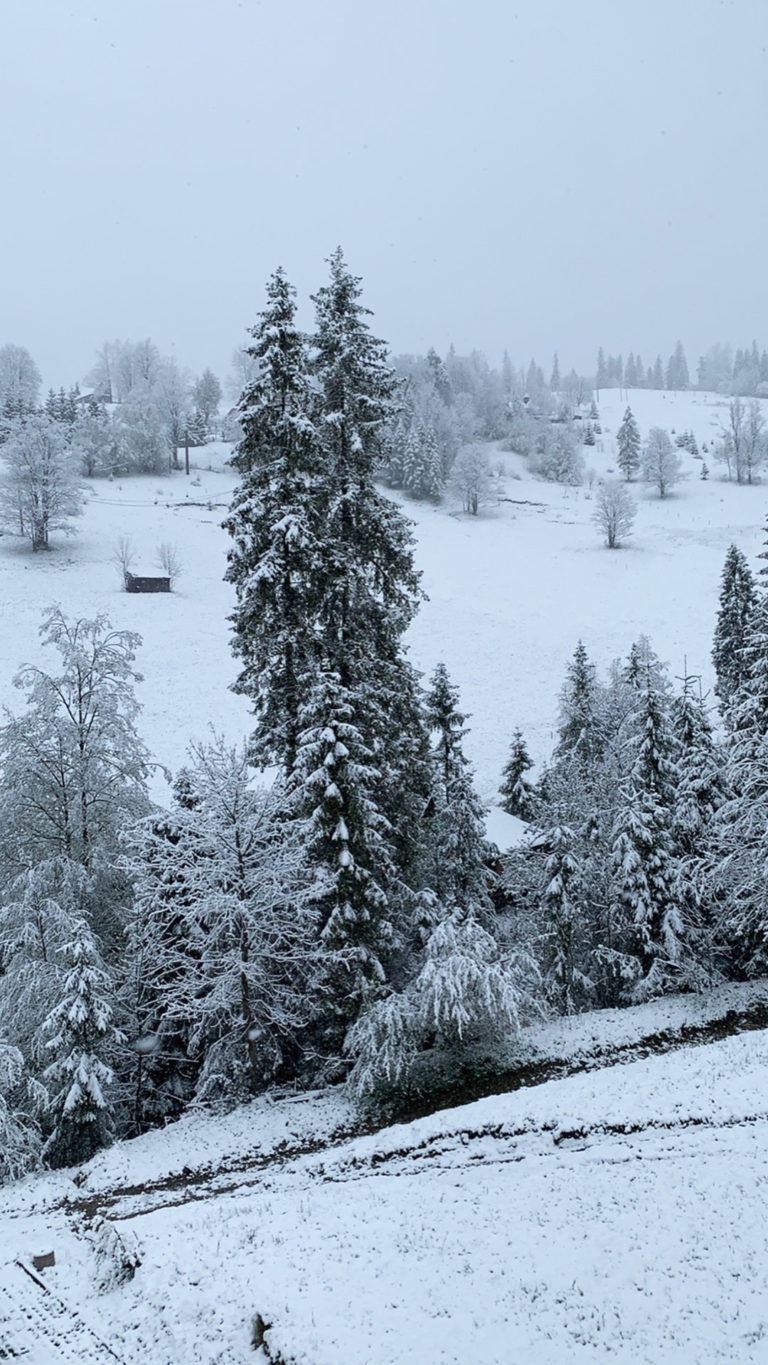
37 1328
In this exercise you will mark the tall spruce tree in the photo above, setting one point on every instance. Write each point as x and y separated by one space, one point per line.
738 598
460 852
643 854
275 520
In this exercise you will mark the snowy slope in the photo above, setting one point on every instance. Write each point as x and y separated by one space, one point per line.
614 1216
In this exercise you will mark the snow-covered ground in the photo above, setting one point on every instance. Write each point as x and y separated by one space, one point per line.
510 592
616 1215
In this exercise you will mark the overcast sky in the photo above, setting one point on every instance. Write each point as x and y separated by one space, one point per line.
522 174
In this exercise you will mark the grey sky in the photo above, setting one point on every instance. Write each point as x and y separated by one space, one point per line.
528 174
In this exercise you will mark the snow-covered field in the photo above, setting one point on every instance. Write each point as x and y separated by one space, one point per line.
510 592
614 1215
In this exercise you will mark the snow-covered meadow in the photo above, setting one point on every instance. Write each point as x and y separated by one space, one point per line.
510 592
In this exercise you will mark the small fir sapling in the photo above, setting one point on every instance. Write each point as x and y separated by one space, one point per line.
515 791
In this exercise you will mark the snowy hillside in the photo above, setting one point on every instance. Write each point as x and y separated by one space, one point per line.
608 1216
510 592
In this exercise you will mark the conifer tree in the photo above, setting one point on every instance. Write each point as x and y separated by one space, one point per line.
516 793
459 851
737 606
369 589
579 731
81 1032
333 790
701 787
628 442
561 915
643 856
275 521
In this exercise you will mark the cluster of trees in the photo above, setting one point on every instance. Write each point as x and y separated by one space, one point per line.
613 372
743 372
141 408
345 916
449 406
338 918
646 870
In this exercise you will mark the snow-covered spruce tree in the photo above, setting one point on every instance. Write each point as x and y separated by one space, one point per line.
701 786
701 791
227 926
353 592
737 605
562 927
42 910
735 868
80 1034
333 791
628 446
276 524
645 895
422 467
458 854
368 587
467 990
515 791
580 728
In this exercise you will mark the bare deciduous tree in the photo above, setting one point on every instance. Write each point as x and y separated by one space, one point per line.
169 560
662 466
615 511
124 557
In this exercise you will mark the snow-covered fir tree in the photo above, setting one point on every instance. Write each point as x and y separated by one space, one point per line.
333 792
580 731
276 523
459 855
515 790
700 787
644 867
628 446
80 1032
736 608
567 985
